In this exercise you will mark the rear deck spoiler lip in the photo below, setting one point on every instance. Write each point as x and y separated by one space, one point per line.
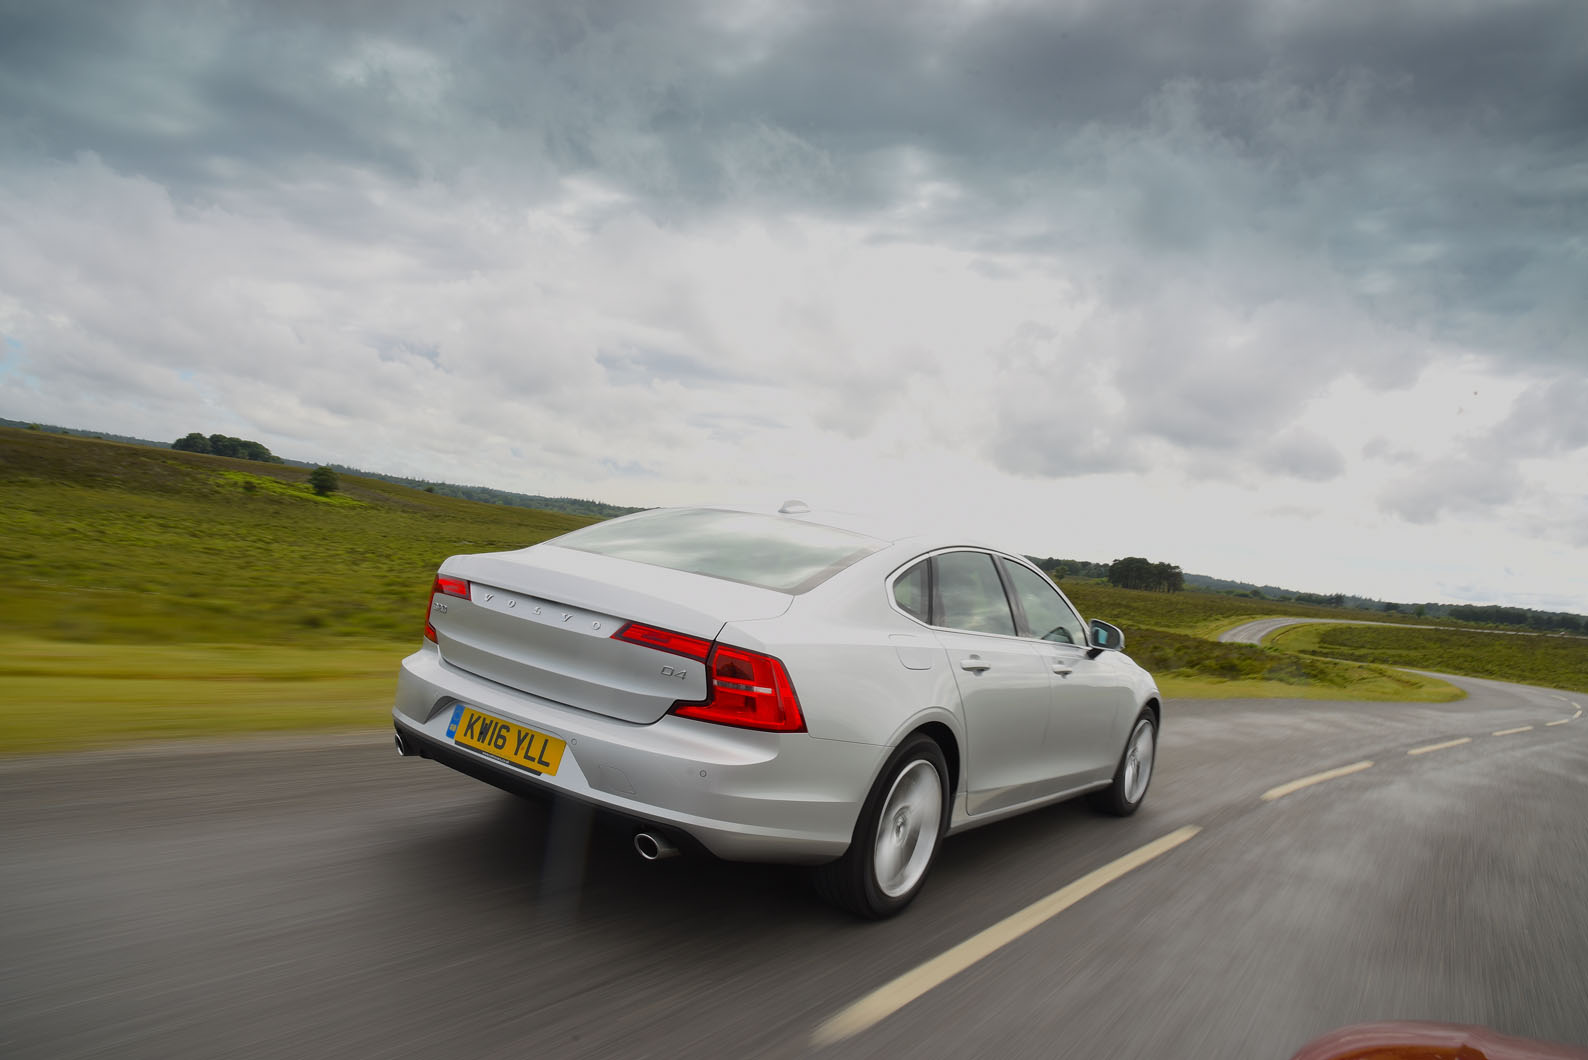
695 604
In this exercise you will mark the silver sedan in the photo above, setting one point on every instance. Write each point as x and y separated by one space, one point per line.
778 686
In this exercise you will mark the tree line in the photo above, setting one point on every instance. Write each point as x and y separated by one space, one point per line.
1070 568
1136 572
1132 572
225 445
1500 615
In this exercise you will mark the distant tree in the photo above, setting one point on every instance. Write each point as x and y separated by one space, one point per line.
1421 611
1167 578
225 445
1132 572
1135 572
1497 614
249 450
324 481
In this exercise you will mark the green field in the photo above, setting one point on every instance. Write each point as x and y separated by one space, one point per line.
165 594
1172 635
122 544
1195 668
162 594
71 696
1552 661
1204 614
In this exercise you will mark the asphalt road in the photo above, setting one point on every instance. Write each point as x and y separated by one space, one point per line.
1254 631
302 900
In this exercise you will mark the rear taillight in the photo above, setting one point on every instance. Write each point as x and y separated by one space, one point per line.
743 688
446 587
665 640
747 689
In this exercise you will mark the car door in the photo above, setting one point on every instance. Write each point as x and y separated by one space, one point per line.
1004 684
1090 705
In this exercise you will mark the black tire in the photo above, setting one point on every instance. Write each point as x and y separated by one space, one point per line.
1124 796
851 882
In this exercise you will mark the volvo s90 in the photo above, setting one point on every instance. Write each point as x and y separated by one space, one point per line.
788 686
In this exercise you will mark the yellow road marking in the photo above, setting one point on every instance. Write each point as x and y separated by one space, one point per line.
1513 732
1317 778
1562 721
889 998
1439 746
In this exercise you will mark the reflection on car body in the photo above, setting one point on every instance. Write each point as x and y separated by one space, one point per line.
778 686
1425 1040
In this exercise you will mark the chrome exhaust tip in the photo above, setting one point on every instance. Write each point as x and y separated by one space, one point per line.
402 745
653 847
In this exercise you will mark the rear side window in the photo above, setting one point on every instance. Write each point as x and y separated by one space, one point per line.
769 551
970 595
910 589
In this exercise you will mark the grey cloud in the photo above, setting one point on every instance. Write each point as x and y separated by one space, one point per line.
1546 421
1427 156
1460 486
1379 448
1300 454
1052 415
1548 418
630 366
1060 442
1244 191
1210 372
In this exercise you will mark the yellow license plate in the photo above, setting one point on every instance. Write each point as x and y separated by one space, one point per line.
506 740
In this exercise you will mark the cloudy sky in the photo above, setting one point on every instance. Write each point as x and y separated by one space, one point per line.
1286 292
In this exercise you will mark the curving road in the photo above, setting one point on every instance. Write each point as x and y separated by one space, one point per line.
1254 631
298 899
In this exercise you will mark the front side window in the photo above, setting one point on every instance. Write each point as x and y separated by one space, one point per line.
1048 616
970 596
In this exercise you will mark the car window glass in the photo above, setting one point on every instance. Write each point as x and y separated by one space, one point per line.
1049 617
771 551
969 594
909 591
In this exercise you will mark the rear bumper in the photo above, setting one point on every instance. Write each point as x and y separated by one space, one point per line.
742 795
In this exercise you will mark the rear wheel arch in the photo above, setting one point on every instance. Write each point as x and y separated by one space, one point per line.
1156 709
944 737
898 833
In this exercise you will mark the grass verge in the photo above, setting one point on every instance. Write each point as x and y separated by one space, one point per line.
1195 668
1386 687
123 544
1199 613
69 697
1551 661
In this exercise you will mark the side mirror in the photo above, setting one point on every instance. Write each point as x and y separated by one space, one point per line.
1105 638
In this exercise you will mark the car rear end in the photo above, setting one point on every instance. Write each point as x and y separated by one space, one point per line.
589 668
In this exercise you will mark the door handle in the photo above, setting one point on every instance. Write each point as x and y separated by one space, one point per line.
1063 671
974 664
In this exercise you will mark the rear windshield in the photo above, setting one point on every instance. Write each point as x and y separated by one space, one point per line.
769 551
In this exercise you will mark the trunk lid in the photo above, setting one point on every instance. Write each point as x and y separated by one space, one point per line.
541 620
